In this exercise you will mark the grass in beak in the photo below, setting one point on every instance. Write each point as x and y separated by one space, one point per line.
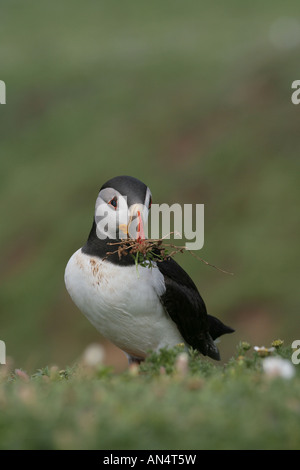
148 252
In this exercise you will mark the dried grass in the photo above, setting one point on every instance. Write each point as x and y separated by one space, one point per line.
149 251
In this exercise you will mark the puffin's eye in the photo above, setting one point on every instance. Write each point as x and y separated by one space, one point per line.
114 202
150 203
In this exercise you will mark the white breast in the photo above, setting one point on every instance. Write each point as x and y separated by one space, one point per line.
122 302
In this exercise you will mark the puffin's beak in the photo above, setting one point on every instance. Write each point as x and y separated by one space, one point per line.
135 213
140 228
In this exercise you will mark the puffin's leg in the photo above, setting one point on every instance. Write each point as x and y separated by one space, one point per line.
134 359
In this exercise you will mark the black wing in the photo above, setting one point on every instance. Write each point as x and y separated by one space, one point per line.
187 309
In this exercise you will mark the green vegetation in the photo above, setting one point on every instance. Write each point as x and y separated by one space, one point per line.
193 98
161 405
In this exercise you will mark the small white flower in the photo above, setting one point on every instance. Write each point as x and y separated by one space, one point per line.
93 355
263 351
278 367
182 364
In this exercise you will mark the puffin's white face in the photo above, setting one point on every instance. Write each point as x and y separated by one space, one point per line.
116 218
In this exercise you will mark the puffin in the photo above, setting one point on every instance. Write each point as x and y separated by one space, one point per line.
137 308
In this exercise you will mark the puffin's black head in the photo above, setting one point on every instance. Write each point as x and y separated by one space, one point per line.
122 208
133 189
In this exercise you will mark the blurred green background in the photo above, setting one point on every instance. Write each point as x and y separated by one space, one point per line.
193 98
